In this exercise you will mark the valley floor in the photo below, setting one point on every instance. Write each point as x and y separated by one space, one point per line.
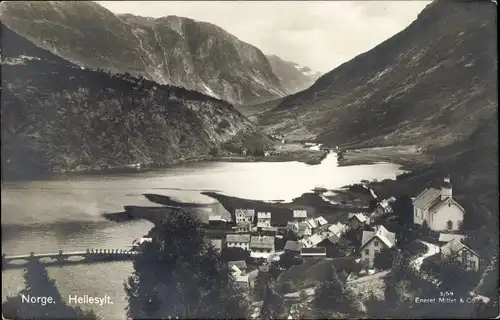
407 156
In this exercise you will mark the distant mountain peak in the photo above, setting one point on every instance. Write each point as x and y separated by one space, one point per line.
292 76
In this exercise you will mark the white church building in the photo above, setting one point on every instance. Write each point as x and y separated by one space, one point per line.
438 208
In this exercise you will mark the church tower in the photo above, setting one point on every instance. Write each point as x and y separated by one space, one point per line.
446 189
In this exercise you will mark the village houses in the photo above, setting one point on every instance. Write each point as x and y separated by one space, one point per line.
438 208
337 229
357 220
372 242
263 219
261 246
217 221
243 226
299 216
384 206
462 253
244 215
238 241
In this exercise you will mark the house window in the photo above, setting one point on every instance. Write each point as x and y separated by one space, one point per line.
449 225
375 243
472 265
367 251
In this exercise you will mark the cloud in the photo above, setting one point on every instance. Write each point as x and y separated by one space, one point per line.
318 34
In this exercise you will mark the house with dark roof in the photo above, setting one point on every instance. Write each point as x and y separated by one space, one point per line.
438 208
357 220
447 237
261 246
313 252
456 249
293 246
372 242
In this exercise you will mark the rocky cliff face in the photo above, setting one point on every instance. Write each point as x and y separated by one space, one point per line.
171 50
56 116
293 77
432 84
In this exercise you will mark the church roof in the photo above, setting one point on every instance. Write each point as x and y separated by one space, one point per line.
427 198
439 203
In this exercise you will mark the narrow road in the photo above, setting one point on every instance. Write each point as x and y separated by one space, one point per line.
432 249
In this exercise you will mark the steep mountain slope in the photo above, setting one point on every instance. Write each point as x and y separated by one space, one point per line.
170 50
293 77
56 116
432 84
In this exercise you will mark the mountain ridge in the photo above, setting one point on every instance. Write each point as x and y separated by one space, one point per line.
369 100
57 116
169 50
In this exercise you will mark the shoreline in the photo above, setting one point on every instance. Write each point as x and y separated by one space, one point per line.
298 153
409 157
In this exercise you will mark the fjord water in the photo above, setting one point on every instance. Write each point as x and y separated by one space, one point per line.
45 216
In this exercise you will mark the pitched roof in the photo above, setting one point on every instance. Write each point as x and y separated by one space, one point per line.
455 246
361 217
300 213
321 221
262 242
245 212
388 238
235 270
333 238
293 245
447 237
313 240
312 223
427 198
302 226
439 203
313 251
241 264
238 238
338 228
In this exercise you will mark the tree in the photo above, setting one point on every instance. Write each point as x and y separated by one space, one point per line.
333 296
38 284
272 305
383 260
235 254
289 259
403 207
455 277
180 274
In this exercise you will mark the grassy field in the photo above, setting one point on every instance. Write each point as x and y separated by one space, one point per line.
288 152
407 156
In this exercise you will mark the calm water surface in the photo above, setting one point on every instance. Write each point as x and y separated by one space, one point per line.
45 216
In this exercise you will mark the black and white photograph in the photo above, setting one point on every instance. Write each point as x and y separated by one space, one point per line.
249 160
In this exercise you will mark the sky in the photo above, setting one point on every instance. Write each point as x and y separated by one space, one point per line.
319 34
